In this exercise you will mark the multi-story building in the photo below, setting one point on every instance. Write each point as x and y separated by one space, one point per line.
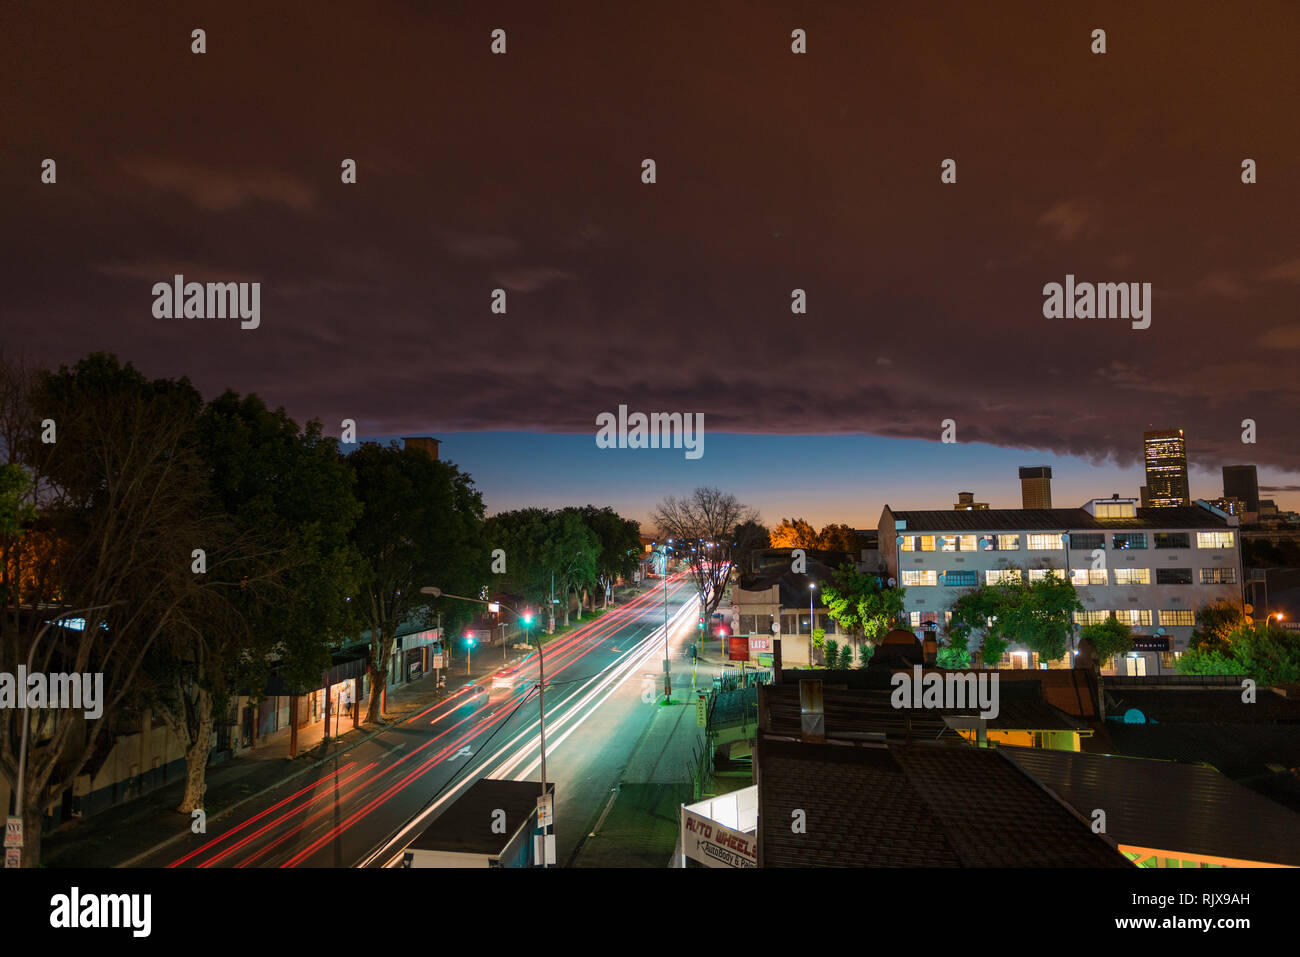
1036 487
1165 451
1242 482
1151 568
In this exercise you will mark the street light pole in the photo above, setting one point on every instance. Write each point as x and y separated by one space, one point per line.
812 588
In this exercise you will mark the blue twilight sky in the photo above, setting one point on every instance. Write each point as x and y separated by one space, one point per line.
823 479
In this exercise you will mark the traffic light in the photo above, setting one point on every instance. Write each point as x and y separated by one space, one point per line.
701 623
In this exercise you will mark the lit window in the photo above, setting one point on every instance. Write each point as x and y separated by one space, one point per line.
907 544
1087 576
1008 543
1116 510
1134 616
996 576
1218 576
927 543
1094 617
1132 576
947 543
965 543
1046 542
1181 617
916 577
1214 540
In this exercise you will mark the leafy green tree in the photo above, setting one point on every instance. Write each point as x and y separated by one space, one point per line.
620 546
421 525
1112 637
862 604
1038 615
575 555
830 648
955 658
1214 623
1268 653
1208 661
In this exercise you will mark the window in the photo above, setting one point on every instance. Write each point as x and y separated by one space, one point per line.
1008 543
1214 540
913 578
1087 541
1088 576
1115 510
1173 540
927 543
956 579
947 543
1134 616
995 576
749 625
907 544
789 624
1094 617
1218 576
1129 540
1182 617
918 618
965 543
1132 576
1040 574
1046 542
1173 576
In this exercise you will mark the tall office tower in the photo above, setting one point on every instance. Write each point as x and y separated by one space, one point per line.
1036 487
1166 459
1242 482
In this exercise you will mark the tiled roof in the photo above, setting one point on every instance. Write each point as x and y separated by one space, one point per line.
1197 705
919 805
1236 750
1167 806
1053 520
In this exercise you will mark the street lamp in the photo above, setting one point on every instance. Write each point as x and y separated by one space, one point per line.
668 685
812 589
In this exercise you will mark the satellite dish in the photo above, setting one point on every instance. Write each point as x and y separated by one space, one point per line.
892 583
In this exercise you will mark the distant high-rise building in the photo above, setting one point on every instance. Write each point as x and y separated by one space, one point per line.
966 502
1242 482
1166 461
1036 487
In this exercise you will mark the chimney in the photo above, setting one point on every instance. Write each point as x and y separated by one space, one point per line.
1036 487
426 444
965 498
812 712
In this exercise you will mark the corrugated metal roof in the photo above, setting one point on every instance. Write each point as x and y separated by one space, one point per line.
1162 805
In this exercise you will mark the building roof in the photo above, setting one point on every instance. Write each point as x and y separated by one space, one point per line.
465 827
917 805
1235 750
793 587
1053 520
1179 808
1172 705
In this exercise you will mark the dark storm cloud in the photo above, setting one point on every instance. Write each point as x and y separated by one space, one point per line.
775 172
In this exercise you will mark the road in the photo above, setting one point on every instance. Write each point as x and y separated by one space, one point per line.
602 682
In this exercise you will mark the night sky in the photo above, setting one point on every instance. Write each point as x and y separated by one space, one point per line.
775 171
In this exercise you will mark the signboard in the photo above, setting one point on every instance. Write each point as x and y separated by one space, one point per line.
715 845
759 644
1150 643
738 648
545 811
13 832
766 661
13 857
701 711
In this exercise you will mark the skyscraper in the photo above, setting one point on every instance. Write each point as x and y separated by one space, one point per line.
1036 487
1242 482
1166 461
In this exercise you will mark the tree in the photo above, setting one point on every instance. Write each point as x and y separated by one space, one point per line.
1266 652
122 506
421 525
575 552
862 604
838 538
287 497
702 527
1038 615
620 546
1111 637
1214 623
794 533
755 536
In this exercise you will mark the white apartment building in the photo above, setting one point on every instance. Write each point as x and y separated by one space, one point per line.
1152 568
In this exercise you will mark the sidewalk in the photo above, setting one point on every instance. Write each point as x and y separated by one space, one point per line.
125 834
639 828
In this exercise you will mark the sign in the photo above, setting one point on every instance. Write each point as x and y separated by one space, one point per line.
1150 643
738 648
714 845
545 811
701 711
13 832
13 857
759 644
